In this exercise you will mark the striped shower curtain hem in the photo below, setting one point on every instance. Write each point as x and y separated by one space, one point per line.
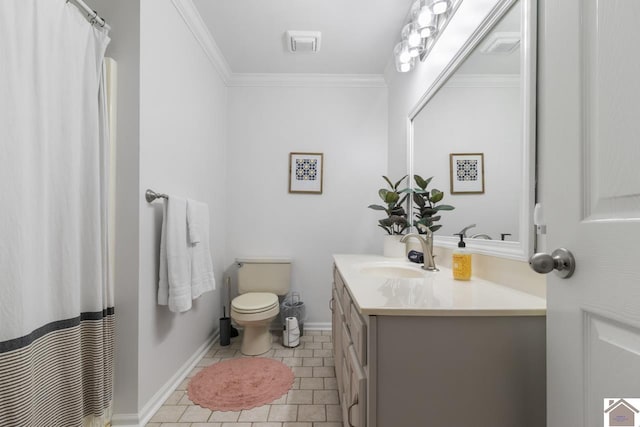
61 374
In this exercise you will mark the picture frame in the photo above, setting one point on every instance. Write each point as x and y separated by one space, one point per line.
466 173
306 173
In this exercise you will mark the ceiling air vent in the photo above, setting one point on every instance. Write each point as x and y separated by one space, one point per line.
501 43
303 41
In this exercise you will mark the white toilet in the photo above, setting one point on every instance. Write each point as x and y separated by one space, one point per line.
260 282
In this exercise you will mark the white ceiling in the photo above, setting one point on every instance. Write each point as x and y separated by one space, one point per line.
357 35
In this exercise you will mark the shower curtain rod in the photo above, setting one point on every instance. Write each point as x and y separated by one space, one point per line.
92 15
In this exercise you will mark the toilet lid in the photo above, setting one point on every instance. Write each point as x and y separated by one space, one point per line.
254 302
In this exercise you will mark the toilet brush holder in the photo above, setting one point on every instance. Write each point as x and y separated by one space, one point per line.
225 329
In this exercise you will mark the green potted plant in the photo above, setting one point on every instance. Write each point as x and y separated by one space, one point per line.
426 209
396 221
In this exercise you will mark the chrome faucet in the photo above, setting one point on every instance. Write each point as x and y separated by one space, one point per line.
464 230
427 249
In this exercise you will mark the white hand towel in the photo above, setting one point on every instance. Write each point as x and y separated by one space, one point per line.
163 282
202 279
193 222
174 287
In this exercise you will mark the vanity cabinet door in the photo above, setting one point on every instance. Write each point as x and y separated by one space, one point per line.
350 346
336 332
358 330
346 338
357 397
345 400
343 293
338 282
346 305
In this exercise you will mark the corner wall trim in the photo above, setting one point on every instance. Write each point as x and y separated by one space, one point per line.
198 28
150 408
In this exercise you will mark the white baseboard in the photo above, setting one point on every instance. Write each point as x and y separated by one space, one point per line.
317 326
125 420
150 408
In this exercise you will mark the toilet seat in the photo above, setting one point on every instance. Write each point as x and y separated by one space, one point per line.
254 302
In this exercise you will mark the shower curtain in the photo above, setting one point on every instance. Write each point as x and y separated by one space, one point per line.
56 301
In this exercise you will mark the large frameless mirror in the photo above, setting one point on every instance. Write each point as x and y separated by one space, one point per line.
474 133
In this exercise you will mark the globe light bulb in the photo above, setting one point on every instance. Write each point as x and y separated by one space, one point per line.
439 7
426 21
411 33
401 52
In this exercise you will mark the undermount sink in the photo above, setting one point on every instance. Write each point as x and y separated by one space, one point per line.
392 270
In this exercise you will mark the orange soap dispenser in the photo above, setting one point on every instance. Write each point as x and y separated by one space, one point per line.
461 263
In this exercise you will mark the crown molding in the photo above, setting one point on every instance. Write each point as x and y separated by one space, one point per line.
198 28
483 80
306 80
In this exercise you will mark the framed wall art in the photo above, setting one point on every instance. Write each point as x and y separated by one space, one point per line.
466 173
305 173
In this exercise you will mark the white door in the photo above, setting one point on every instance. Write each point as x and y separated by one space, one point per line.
589 154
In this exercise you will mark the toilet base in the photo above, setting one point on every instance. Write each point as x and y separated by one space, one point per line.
255 340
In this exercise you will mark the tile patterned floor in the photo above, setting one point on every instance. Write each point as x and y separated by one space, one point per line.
311 402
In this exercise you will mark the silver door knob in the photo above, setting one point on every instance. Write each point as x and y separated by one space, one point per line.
561 260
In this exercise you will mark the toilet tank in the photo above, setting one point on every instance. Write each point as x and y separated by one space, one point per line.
264 275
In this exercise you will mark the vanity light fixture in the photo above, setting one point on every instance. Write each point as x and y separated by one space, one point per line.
427 19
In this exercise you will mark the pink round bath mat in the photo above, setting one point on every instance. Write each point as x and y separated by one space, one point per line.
236 384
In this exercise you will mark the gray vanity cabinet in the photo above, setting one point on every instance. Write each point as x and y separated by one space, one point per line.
349 348
437 370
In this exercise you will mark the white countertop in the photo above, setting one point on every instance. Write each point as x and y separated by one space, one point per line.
434 294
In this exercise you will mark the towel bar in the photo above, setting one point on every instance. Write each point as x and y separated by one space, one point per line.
151 195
